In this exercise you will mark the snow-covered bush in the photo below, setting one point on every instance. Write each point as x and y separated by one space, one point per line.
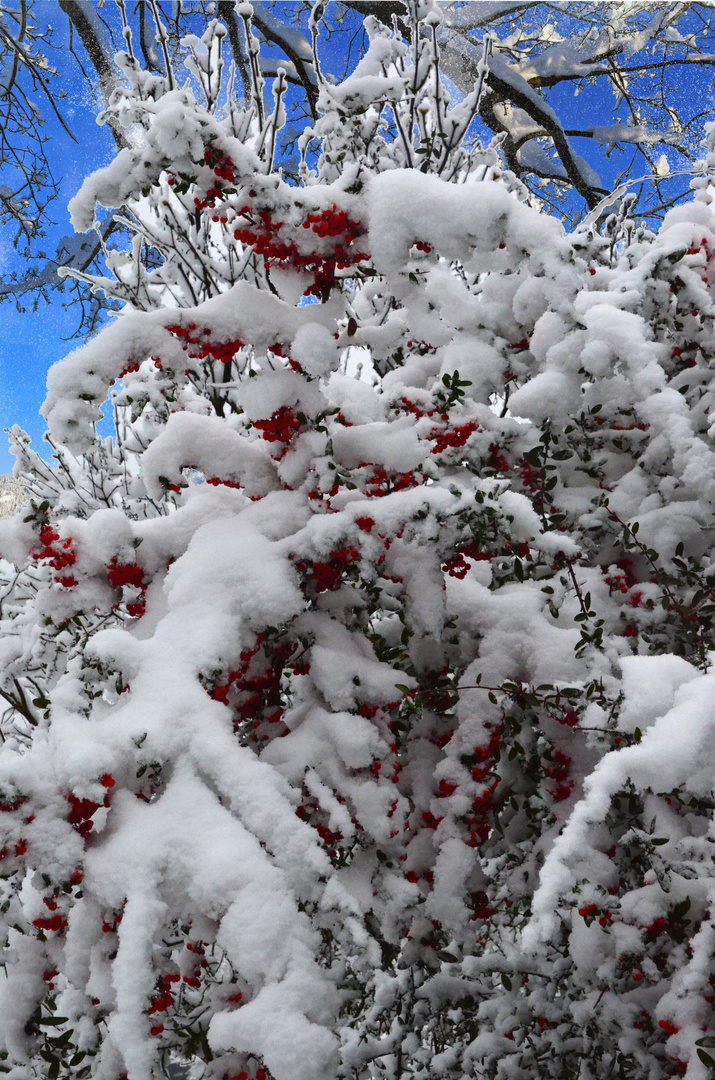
359 717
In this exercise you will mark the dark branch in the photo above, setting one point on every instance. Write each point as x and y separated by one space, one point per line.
93 48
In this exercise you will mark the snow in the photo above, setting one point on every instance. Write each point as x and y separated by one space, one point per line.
352 695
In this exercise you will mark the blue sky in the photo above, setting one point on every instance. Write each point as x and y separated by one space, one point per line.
31 342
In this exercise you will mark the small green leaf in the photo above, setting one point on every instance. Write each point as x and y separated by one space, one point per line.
681 910
706 1059
505 981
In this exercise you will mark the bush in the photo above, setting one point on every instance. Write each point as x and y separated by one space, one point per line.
359 709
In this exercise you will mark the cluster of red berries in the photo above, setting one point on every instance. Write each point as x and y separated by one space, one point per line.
419 875
590 911
703 246
455 437
59 556
382 483
125 574
329 837
312 815
281 426
668 1027
10 807
221 351
657 927
558 769
326 576
458 567
216 481
429 821
111 927
416 410
50 922
481 908
262 236
640 425
617 581
80 816
478 820
334 222
689 361
19 849
497 459
164 999
254 687
222 166
132 574
445 788
83 810
531 477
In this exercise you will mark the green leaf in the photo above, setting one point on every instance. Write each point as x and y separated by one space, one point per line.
658 841
533 457
706 1059
53 1021
681 910
61 1041
505 981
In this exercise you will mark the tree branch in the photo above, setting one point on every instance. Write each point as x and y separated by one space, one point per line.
95 51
